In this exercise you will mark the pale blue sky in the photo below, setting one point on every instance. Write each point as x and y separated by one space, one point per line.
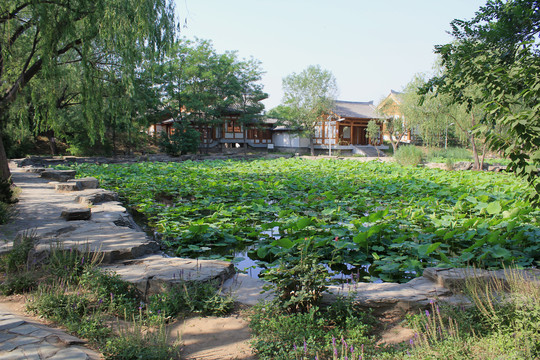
371 47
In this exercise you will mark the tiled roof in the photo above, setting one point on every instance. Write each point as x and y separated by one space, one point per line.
356 109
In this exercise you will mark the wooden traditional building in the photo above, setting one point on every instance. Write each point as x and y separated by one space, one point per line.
391 106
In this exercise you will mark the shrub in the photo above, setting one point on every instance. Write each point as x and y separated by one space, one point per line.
184 140
339 328
189 298
300 279
408 155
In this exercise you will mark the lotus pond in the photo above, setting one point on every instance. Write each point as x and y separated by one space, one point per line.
382 220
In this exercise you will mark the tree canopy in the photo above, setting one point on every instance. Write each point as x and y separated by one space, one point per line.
498 51
309 95
64 51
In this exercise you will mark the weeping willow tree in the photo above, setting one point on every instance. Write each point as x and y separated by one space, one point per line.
63 52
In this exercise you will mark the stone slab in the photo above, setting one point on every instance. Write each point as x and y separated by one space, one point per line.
152 274
67 186
77 214
86 183
58 175
246 290
92 197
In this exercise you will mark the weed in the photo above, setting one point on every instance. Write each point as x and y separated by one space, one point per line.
279 335
136 341
300 279
186 298
408 155
17 259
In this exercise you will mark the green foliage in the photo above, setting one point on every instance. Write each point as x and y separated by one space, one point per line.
503 319
396 219
300 279
321 332
309 95
497 52
452 153
408 155
18 283
185 139
189 297
17 259
138 342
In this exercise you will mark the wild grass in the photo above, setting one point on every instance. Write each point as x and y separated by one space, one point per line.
69 289
408 155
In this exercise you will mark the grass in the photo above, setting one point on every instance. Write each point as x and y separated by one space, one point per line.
501 321
110 313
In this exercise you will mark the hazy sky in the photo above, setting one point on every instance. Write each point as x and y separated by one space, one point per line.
371 47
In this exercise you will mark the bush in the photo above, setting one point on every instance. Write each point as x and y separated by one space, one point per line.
340 328
408 155
189 298
184 140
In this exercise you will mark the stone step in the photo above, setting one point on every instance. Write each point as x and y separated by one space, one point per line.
153 274
58 175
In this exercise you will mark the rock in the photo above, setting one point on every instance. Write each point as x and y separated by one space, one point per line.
454 279
58 175
77 214
67 186
96 196
87 183
153 274
463 165
496 168
36 170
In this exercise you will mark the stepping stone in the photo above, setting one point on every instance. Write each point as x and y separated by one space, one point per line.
86 183
92 197
155 273
67 186
77 214
58 175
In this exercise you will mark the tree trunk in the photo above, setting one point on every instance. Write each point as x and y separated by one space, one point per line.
5 174
483 155
52 143
245 140
394 146
311 145
473 144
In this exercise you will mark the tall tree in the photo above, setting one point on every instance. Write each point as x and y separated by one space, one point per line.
249 95
310 95
43 37
498 50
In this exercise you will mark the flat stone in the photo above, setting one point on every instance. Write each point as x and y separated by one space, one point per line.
24 329
70 353
454 279
92 197
77 214
58 175
111 242
86 183
10 323
67 186
15 354
35 170
16 342
4 336
153 274
246 290
31 351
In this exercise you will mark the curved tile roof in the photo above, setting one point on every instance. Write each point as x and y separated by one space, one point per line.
356 109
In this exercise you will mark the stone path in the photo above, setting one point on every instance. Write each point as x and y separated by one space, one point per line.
24 339
45 210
